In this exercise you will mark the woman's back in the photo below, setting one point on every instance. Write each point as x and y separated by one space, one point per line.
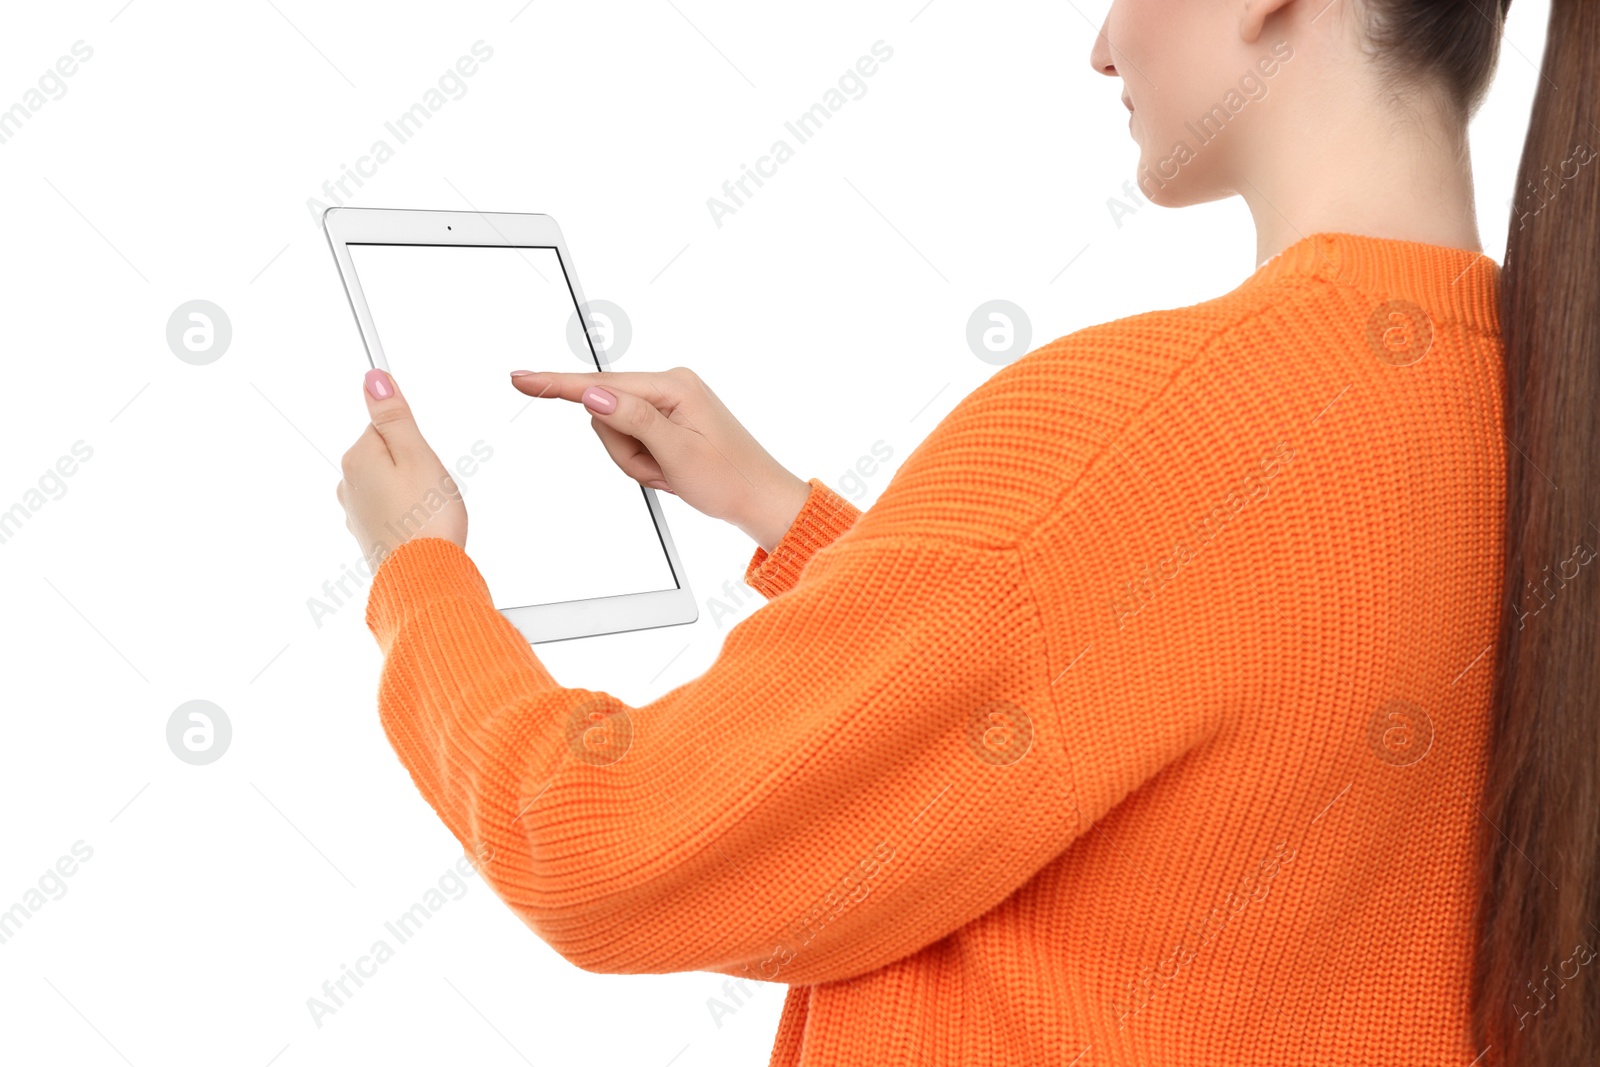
1262 537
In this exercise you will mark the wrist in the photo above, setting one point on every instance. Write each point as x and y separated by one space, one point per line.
779 508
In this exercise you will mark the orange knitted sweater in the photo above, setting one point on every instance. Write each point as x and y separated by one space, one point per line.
1141 720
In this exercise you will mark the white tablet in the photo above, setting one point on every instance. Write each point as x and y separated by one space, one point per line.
451 302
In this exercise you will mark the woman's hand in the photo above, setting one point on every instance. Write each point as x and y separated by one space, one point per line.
669 431
394 486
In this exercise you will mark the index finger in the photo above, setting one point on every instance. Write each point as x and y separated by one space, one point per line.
569 385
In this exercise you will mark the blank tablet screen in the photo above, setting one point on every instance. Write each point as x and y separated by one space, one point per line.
550 517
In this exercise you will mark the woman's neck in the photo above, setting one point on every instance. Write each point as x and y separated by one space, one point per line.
1357 171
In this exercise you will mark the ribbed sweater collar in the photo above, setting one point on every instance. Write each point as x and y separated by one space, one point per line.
1453 282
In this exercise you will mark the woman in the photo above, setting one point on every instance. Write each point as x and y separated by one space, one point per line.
1186 689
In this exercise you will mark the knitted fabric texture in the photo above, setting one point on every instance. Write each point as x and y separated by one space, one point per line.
1141 720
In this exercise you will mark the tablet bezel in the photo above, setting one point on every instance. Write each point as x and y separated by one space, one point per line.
539 623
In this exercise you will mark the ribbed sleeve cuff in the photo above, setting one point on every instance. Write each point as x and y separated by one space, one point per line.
420 570
822 518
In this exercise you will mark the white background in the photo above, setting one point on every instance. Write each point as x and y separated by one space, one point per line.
829 312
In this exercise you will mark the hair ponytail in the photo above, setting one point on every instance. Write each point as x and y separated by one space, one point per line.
1536 988
1535 995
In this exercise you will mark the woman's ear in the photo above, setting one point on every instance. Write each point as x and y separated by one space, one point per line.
1253 14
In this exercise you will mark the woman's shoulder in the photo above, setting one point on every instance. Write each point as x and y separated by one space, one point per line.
1157 340
996 465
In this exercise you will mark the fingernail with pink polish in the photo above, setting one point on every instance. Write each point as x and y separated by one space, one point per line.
379 385
599 400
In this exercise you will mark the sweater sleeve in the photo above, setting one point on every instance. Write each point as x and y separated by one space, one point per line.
822 518
881 754
873 761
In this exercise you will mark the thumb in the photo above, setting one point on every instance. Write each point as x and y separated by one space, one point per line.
391 416
636 417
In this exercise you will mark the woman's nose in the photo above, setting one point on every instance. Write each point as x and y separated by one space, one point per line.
1100 54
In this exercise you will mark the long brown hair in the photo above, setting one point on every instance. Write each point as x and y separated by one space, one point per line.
1536 985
